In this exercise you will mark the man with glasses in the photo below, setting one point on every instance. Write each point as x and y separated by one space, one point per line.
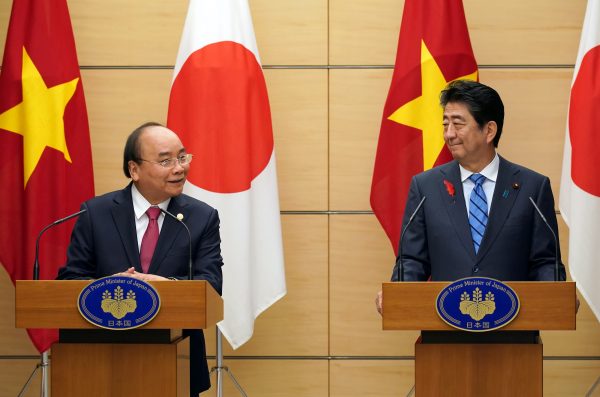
125 232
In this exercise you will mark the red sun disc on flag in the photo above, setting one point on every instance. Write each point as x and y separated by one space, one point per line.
584 119
220 109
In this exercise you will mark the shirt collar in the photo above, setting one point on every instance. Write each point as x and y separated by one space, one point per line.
141 205
490 171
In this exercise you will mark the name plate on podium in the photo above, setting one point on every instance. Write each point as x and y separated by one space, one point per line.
477 304
118 303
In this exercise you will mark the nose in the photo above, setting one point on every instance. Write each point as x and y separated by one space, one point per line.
449 132
178 169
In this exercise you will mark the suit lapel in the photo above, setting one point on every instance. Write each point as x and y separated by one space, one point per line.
505 194
124 218
168 233
456 207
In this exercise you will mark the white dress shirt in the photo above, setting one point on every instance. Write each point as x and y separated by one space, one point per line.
491 174
140 206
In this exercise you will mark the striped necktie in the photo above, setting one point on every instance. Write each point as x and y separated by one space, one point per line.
478 210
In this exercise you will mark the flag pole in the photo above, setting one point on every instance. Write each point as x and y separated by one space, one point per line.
43 367
219 368
45 364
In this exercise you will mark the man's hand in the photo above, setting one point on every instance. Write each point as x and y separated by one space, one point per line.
127 273
141 276
379 302
149 277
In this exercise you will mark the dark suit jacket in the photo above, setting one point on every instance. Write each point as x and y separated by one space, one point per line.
104 242
517 245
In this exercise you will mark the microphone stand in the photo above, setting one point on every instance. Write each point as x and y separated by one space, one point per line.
412 216
179 219
36 262
556 272
44 362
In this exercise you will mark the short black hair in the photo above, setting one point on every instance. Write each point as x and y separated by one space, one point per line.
483 102
132 150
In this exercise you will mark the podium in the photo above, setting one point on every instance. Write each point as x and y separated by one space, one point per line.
148 361
506 362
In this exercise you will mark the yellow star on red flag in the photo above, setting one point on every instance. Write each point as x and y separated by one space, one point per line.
425 112
39 117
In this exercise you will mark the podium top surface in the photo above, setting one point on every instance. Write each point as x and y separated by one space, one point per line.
53 304
544 306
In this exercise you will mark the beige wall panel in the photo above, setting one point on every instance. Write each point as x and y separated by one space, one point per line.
533 32
535 103
275 378
13 341
118 101
148 32
297 325
299 110
361 258
291 32
5 8
372 378
356 105
570 378
510 32
13 375
364 32
134 32
585 341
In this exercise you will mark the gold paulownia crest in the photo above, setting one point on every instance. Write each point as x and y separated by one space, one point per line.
119 306
477 308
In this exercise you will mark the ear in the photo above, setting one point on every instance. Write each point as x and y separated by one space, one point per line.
490 130
134 170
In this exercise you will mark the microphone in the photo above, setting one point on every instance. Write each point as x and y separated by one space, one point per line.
556 277
179 219
36 261
401 267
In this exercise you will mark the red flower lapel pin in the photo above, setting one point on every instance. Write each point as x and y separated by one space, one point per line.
449 188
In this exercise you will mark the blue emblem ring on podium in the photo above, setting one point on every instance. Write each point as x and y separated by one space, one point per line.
118 303
477 304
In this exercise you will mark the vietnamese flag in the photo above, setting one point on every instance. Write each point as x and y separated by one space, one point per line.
220 109
46 169
433 49
580 182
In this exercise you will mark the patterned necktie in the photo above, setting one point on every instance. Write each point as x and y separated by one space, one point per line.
150 238
478 209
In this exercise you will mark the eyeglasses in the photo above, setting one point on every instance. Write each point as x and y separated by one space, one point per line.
170 163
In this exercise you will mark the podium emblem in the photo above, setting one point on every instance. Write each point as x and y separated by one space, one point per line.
118 303
118 306
477 304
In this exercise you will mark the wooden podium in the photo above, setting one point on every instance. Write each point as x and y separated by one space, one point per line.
89 361
507 362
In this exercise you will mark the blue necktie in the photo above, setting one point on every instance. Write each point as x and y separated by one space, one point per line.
478 207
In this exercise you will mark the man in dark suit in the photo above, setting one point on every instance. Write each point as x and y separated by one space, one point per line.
477 218
110 238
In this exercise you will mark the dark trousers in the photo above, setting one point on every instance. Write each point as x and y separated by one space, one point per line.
199 379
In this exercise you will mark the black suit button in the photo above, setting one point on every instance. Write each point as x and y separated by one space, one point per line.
475 269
